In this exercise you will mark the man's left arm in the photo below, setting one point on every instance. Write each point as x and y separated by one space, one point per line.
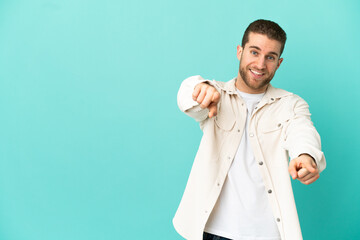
304 145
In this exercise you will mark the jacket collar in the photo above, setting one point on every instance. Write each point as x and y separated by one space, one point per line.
271 93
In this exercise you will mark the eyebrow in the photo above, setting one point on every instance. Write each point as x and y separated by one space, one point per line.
256 47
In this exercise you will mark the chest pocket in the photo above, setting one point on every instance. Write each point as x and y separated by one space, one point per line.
274 126
275 122
225 118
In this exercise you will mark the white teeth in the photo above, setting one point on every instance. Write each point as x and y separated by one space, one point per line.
257 73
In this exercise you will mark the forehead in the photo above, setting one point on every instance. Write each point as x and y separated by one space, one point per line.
263 42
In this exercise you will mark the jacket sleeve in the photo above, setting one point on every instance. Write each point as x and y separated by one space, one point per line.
185 101
301 135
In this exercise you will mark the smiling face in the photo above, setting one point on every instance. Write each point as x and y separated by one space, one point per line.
259 60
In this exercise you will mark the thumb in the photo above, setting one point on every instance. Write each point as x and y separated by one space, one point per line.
292 169
212 110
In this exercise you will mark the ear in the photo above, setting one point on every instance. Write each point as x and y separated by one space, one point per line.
280 61
239 51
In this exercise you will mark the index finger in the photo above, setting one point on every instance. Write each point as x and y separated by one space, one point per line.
292 169
196 92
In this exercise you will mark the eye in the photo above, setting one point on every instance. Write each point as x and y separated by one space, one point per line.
270 58
253 53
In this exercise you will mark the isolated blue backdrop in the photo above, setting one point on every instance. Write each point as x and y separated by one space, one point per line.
92 144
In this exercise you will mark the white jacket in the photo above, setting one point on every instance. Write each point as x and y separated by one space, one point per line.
280 126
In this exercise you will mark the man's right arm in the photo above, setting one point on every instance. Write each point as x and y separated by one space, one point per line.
197 98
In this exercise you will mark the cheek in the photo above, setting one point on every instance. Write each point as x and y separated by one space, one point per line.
272 67
246 64
245 59
242 65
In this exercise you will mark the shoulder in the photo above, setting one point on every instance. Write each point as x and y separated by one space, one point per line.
285 97
295 104
296 101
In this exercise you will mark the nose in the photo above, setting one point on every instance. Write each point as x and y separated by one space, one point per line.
260 63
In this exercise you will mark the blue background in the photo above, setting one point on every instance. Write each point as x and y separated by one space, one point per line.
92 144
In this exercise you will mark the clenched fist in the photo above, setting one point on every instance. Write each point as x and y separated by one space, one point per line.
207 96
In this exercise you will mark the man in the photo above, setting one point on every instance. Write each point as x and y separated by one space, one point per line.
239 185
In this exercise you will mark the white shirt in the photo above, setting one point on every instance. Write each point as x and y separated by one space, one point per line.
243 210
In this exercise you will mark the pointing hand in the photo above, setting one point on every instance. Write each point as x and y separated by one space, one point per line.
304 169
207 96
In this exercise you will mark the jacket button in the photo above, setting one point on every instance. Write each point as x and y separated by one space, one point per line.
269 191
261 163
279 125
278 219
272 99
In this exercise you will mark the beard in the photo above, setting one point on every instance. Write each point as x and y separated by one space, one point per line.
259 84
